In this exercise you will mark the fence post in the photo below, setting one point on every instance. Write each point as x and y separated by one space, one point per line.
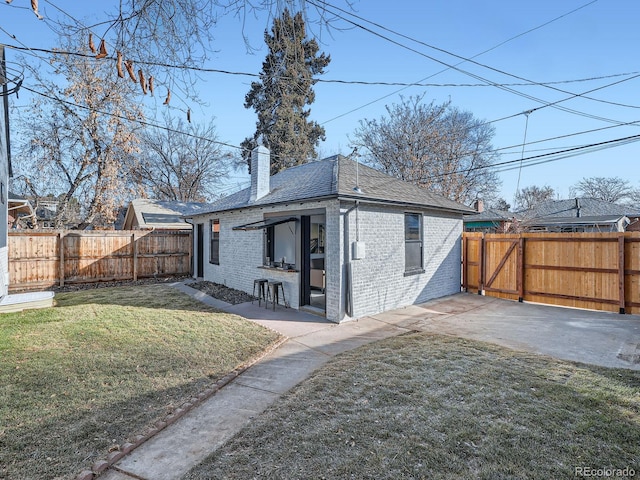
134 255
520 273
621 271
481 266
61 256
464 263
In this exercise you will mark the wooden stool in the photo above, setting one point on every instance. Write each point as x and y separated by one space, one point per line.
274 288
261 283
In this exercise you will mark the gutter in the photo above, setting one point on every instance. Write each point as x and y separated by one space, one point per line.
405 204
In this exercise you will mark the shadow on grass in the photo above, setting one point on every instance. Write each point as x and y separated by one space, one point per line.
60 445
79 379
429 406
160 296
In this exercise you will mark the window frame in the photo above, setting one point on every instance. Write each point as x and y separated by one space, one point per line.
214 241
409 242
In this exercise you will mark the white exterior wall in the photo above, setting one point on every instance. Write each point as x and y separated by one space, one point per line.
4 213
334 263
241 252
379 281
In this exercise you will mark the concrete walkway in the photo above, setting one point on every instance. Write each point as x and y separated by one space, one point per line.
601 338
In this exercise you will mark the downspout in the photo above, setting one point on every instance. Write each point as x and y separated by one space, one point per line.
348 304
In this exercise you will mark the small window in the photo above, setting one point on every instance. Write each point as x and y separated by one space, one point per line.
413 243
214 254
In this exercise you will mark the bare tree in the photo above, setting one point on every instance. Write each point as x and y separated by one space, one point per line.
500 204
80 140
437 147
609 189
529 197
183 163
171 39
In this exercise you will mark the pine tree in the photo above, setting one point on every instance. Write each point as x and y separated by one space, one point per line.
280 97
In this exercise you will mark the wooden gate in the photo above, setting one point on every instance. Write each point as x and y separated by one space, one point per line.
502 267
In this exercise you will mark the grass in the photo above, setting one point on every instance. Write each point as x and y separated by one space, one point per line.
422 406
79 379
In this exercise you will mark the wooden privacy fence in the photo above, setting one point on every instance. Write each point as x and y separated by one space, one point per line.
44 259
598 271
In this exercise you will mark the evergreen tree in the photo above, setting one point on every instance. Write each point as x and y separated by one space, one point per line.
280 97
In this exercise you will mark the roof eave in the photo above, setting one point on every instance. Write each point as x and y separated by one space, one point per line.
404 204
261 205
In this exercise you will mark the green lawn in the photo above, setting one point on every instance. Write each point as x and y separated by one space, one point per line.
423 406
80 378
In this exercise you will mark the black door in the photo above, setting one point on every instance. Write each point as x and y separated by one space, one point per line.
305 267
200 250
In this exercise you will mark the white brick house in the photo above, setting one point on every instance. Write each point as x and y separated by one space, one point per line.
348 252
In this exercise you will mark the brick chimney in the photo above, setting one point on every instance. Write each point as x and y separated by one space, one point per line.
478 205
260 169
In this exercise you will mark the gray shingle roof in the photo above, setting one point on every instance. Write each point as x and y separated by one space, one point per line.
163 213
490 215
588 220
335 177
589 207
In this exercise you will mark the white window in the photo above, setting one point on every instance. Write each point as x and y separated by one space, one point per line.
413 243
214 253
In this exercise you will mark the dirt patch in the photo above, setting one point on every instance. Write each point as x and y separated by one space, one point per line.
119 283
222 292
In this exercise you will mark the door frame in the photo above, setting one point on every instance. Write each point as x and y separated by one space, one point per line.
199 250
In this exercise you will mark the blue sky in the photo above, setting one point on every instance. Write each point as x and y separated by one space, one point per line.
599 39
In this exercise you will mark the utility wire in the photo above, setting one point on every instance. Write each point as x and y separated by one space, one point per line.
574 150
338 81
461 62
465 59
489 84
584 132
122 117
142 122
524 141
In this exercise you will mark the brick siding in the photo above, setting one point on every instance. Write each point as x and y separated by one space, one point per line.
379 281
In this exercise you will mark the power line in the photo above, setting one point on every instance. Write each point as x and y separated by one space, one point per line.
507 165
460 63
465 59
122 117
567 152
344 82
529 83
635 122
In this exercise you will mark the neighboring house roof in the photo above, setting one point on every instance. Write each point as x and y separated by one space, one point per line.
586 220
490 215
336 177
579 212
587 207
144 213
20 208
